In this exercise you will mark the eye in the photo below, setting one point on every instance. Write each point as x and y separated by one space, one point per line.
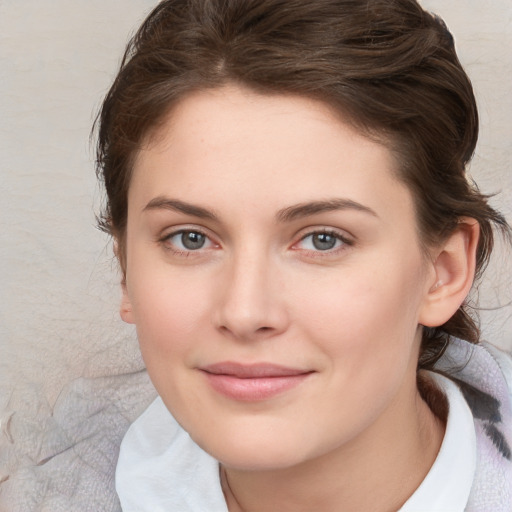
188 240
323 241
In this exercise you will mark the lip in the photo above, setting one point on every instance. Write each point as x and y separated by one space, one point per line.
252 382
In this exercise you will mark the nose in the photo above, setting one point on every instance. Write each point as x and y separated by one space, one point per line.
250 303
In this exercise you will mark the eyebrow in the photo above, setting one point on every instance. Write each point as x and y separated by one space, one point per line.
165 203
306 209
287 214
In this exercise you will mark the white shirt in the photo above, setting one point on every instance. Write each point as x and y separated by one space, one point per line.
161 469
447 485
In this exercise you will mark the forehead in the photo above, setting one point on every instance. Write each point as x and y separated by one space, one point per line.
234 146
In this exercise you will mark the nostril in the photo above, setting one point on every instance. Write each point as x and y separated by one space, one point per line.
244 332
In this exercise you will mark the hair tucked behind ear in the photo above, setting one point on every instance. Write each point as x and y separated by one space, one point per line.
387 66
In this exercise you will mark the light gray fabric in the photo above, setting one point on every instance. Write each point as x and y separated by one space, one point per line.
482 373
63 460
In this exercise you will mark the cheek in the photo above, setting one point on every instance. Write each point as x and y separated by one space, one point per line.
168 312
170 326
364 315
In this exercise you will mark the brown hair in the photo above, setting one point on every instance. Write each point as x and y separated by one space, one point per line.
388 66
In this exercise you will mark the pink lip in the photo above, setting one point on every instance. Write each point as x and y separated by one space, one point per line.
252 382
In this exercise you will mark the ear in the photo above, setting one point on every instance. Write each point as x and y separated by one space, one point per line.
454 266
126 310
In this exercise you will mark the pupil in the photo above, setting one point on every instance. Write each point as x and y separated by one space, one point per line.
324 241
192 240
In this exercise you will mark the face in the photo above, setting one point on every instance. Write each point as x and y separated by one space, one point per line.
275 277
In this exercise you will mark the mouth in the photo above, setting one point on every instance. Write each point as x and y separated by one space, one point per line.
253 382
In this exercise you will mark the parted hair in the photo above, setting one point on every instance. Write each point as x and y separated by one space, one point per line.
387 66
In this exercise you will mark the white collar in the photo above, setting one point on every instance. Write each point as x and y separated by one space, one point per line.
160 468
447 486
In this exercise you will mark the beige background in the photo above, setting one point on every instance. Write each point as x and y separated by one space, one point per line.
58 283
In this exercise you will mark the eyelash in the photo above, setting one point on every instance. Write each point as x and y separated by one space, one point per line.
345 242
166 242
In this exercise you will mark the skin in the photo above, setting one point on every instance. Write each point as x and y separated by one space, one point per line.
242 166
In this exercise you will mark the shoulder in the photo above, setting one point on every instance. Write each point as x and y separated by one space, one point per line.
504 361
483 374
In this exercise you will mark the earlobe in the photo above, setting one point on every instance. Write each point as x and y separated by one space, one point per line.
454 271
125 309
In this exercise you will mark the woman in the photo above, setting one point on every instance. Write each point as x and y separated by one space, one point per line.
286 189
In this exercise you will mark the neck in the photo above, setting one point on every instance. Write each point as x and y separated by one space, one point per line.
377 471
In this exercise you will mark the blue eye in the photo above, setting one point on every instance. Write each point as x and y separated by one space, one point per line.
322 241
189 240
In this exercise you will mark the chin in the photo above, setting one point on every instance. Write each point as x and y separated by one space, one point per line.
262 461
257 452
